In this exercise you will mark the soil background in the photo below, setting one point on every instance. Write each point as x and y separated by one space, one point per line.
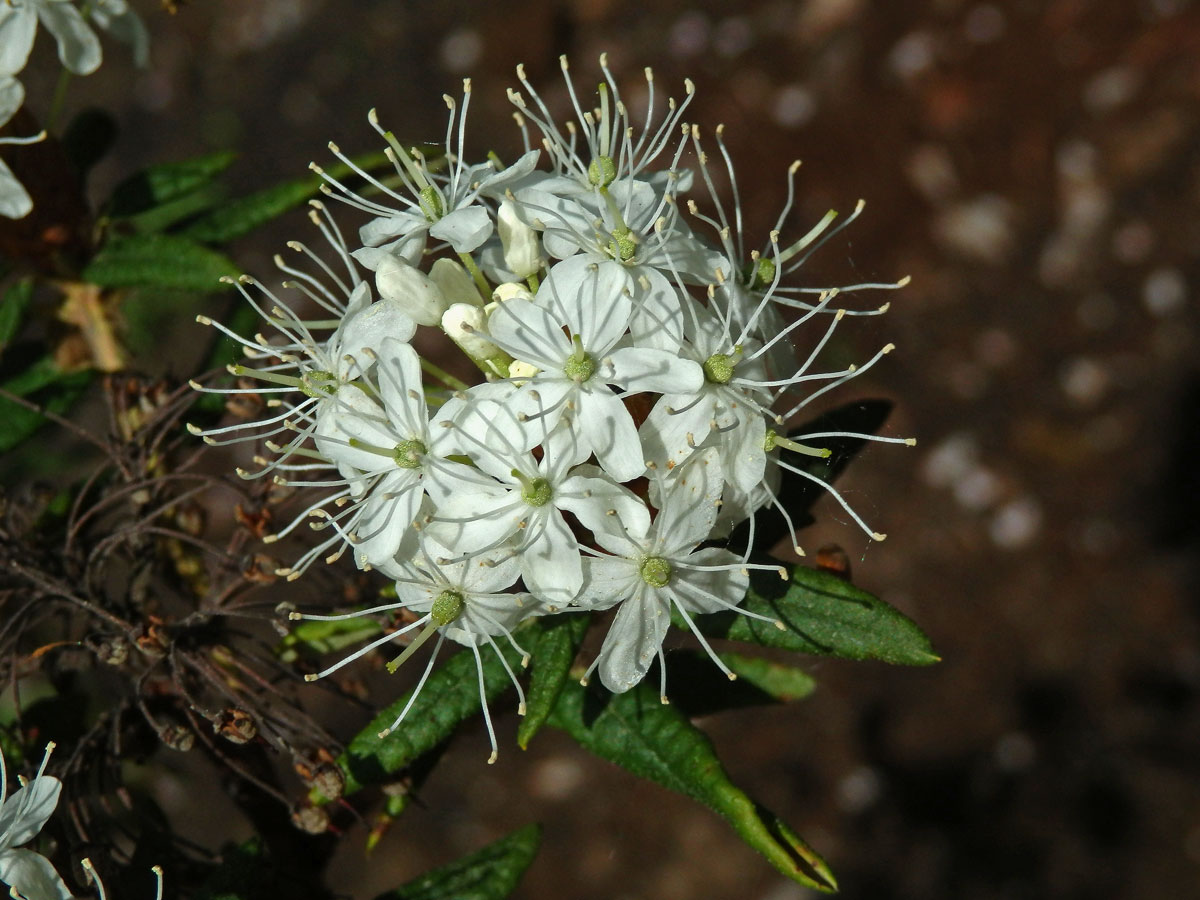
1035 167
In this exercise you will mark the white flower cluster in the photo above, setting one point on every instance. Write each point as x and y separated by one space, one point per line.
28 874
78 50
638 381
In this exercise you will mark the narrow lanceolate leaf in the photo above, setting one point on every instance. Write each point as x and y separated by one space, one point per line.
240 216
166 182
556 650
449 696
638 732
825 615
12 310
46 385
158 260
488 874
778 680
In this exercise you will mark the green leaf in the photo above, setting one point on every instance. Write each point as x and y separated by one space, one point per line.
488 874
825 615
12 310
238 217
317 637
556 650
164 183
697 687
158 260
42 383
780 681
242 215
450 695
655 741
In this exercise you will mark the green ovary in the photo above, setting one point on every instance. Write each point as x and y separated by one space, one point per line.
718 368
761 275
446 608
623 245
579 366
655 571
408 454
537 492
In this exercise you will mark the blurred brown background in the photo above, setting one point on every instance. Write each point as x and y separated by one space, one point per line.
1035 166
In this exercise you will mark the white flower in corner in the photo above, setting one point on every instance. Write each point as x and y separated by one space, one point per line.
650 576
22 816
15 201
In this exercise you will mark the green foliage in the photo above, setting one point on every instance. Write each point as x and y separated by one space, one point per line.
12 310
162 184
158 261
824 615
488 874
316 637
42 383
779 681
654 741
238 217
556 649
450 695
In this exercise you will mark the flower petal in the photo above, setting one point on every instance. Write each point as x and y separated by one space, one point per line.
78 46
634 639
32 876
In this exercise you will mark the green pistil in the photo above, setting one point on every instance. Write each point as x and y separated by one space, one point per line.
718 368
534 491
602 172
408 454
446 608
579 366
760 276
431 203
623 245
773 440
319 385
655 571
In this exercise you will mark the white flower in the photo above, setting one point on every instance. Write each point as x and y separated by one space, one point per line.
648 576
466 601
573 337
15 201
22 816
528 499
120 20
78 46
612 148
380 436
444 206
304 373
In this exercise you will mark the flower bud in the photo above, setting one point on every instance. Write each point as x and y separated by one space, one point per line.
455 284
414 291
466 325
522 251
509 290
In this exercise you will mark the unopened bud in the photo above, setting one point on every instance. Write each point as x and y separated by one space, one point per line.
522 249
411 289
466 325
454 282
510 290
